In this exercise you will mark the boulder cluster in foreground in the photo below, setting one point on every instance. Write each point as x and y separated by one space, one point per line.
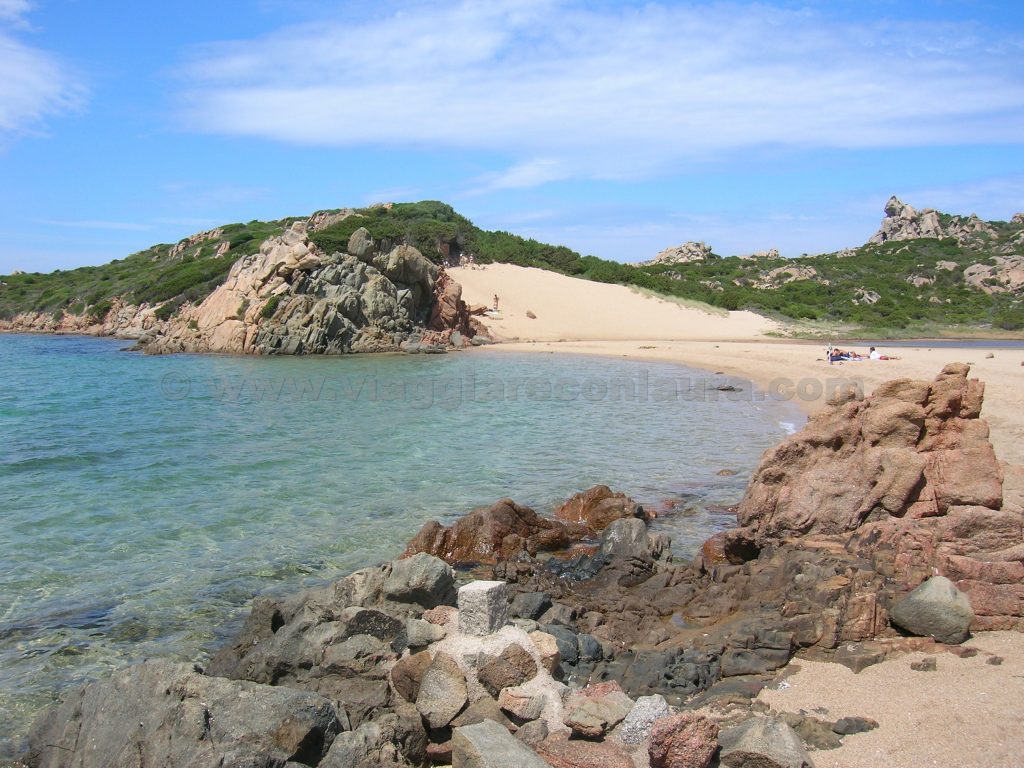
577 641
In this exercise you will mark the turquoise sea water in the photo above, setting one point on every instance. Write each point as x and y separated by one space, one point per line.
145 500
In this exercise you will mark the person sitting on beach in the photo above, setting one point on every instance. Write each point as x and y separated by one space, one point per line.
874 354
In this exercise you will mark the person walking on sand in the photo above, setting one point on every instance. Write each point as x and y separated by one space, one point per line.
495 302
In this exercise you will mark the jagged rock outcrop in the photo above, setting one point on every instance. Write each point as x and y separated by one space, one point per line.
913 449
1000 275
197 239
123 320
290 298
681 254
903 222
790 273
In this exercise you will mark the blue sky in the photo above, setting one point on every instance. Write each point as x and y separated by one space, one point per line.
617 128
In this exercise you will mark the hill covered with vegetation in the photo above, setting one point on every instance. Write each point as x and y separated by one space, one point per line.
923 271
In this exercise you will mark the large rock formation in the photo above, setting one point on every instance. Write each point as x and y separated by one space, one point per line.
681 254
290 298
123 320
913 449
1001 274
903 222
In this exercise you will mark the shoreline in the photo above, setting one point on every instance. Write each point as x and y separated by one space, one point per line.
773 364
889 673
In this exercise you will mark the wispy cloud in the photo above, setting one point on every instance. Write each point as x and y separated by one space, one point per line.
14 10
34 84
568 89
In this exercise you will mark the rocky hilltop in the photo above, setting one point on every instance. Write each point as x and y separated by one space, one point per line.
292 298
923 271
903 222
285 295
921 267
576 640
682 254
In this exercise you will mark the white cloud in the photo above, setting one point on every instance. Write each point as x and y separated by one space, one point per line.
13 10
34 84
610 90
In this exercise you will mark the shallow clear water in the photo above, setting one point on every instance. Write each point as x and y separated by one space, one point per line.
145 500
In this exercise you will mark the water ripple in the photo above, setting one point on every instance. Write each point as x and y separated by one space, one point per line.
139 523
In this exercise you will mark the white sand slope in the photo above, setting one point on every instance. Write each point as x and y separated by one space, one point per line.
571 309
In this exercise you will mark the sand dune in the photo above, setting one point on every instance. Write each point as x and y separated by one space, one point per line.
571 309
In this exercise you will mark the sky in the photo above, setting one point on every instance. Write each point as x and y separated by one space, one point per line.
616 128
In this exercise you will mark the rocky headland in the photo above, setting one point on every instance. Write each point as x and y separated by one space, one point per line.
291 297
511 638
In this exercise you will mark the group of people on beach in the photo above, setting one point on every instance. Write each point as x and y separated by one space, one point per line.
836 355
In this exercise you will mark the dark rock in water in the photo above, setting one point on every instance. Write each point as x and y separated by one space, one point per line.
597 507
936 609
495 533
338 641
845 726
159 713
924 665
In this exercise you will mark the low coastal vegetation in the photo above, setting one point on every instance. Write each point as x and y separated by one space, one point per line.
923 273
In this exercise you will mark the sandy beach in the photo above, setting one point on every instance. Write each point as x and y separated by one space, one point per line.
968 712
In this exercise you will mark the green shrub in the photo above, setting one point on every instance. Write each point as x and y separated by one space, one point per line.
270 307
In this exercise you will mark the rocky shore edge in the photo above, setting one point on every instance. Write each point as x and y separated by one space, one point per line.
514 639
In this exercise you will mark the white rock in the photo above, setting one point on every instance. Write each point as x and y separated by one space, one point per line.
483 607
